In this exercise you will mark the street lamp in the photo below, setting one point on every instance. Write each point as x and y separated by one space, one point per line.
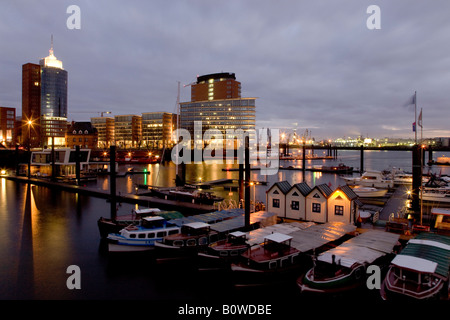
29 122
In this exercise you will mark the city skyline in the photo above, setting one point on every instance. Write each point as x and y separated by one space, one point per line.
312 66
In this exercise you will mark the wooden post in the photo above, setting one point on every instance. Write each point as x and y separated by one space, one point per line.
77 164
17 160
247 182
304 160
112 181
241 181
361 167
430 155
417 177
53 160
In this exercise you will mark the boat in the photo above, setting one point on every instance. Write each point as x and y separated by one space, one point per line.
399 176
442 222
197 196
441 194
374 179
282 258
196 234
141 237
341 168
420 271
108 225
221 254
443 161
344 268
275 255
369 192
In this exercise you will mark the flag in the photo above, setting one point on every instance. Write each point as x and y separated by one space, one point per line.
414 127
411 101
419 120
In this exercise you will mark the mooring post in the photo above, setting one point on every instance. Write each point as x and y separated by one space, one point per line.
304 160
430 155
247 182
112 181
417 177
361 166
77 165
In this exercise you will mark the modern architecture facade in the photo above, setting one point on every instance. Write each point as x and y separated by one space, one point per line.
221 107
53 101
157 129
128 131
31 104
44 102
105 127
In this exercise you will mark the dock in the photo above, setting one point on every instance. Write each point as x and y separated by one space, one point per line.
186 208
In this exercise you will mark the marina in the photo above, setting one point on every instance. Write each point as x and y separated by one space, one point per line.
89 203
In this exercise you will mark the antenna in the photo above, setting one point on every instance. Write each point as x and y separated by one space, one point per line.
51 47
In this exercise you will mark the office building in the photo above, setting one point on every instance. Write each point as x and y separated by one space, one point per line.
105 127
53 100
31 104
128 131
221 107
157 129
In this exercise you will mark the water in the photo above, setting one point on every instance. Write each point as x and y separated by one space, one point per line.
44 231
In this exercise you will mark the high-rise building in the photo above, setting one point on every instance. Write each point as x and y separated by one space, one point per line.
44 102
7 126
53 100
216 86
222 107
31 104
105 127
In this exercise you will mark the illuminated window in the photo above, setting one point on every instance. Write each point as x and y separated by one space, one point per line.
316 207
339 210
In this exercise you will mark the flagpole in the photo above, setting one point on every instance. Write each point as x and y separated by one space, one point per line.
421 126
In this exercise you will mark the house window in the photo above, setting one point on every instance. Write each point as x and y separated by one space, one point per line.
339 210
276 203
295 205
316 207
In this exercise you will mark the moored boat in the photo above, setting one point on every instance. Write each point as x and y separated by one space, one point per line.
372 178
369 192
343 268
141 237
420 271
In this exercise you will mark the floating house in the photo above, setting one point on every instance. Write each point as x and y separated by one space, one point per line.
343 205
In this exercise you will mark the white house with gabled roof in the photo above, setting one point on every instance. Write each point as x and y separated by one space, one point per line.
295 201
276 198
316 203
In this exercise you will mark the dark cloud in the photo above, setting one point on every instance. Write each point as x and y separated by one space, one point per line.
312 64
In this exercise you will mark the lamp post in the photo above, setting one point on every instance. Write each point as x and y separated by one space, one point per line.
29 122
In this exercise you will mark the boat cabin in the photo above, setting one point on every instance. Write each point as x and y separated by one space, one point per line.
442 223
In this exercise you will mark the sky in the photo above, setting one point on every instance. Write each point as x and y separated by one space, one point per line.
312 65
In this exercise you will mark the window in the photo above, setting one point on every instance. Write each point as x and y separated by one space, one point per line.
339 210
276 203
295 205
141 235
161 234
316 207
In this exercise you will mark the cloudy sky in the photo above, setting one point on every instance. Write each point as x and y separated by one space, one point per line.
312 64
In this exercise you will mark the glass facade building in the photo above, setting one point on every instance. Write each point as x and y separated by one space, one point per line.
53 100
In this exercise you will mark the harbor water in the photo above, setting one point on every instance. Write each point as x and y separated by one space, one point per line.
44 231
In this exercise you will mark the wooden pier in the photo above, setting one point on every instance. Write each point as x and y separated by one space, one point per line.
186 208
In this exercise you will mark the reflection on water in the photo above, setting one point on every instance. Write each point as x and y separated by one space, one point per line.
43 231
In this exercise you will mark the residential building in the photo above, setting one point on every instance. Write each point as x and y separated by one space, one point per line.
7 127
105 127
216 86
82 134
128 131
295 201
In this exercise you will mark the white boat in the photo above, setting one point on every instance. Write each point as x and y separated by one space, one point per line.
420 271
442 223
369 192
141 237
441 194
374 179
